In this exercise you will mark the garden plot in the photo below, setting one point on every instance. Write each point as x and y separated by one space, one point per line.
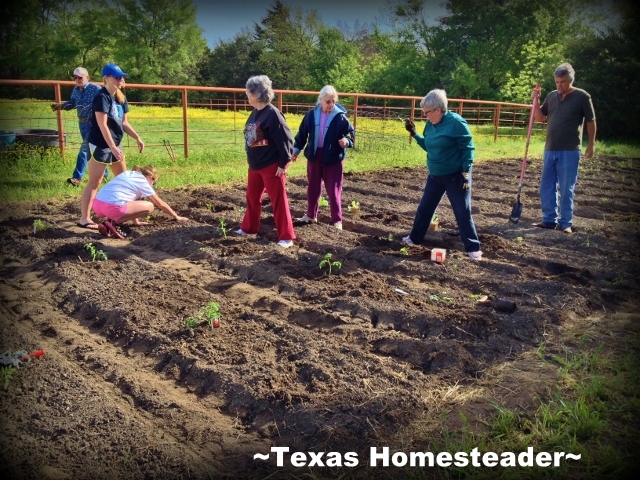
371 353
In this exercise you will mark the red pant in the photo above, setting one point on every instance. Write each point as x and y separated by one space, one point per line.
259 181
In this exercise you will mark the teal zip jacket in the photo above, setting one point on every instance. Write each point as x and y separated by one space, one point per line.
448 144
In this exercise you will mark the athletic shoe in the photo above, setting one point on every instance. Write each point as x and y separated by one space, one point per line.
338 225
475 255
240 232
115 232
306 219
74 181
102 228
285 243
407 240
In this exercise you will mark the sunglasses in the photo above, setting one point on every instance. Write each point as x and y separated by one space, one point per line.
77 77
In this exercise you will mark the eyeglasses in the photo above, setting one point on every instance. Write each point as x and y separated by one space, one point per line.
427 112
77 77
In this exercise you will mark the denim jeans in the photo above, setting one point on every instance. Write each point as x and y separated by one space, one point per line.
460 201
559 176
84 154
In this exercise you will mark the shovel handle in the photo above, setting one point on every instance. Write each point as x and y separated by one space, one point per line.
526 148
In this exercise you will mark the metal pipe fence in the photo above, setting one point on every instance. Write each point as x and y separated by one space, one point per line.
505 119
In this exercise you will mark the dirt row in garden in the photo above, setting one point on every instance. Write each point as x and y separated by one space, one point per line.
372 355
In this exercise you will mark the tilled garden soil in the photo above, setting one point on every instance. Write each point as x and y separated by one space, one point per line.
375 354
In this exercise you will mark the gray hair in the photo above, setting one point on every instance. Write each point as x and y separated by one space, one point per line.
260 87
565 70
326 91
436 98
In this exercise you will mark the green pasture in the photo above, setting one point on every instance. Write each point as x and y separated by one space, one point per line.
216 149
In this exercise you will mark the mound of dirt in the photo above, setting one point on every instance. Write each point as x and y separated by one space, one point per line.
369 356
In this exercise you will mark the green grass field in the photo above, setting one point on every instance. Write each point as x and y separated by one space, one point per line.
216 150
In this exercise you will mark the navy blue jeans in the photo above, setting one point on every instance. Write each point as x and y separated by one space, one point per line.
460 201
84 154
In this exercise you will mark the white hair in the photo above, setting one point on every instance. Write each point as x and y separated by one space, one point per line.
327 90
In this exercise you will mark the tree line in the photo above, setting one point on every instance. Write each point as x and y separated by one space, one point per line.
489 50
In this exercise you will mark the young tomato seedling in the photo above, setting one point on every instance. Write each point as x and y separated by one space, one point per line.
354 207
39 225
327 261
323 202
223 228
210 313
404 250
95 253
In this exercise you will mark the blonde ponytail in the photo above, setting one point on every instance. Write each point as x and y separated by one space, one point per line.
119 96
147 171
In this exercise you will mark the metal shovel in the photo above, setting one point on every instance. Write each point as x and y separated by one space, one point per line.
516 211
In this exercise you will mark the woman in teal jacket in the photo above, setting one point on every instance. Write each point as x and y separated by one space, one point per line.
327 133
449 146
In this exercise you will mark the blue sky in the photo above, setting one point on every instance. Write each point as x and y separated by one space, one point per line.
222 20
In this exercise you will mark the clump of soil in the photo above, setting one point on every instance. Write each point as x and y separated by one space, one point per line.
337 363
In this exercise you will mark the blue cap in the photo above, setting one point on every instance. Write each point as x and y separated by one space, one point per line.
113 70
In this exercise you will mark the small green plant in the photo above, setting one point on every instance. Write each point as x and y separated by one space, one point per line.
327 261
404 251
6 373
210 313
223 228
323 202
519 239
434 298
210 206
354 206
390 237
476 297
191 322
148 218
39 225
434 219
95 253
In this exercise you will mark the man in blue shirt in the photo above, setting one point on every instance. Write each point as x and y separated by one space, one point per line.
81 99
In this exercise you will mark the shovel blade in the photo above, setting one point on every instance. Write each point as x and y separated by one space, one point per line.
516 212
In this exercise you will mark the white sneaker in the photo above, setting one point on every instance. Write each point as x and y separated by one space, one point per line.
407 240
240 232
338 225
475 255
306 219
285 243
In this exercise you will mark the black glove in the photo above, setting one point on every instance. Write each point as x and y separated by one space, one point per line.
464 181
56 106
410 126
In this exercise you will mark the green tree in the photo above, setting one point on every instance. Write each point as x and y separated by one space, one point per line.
158 41
336 62
608 67
232 62
286 37
537 64
26 37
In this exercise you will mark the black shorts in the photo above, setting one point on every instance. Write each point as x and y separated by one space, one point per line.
102 155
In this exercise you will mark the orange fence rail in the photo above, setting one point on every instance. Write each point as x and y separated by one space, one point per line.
503 116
